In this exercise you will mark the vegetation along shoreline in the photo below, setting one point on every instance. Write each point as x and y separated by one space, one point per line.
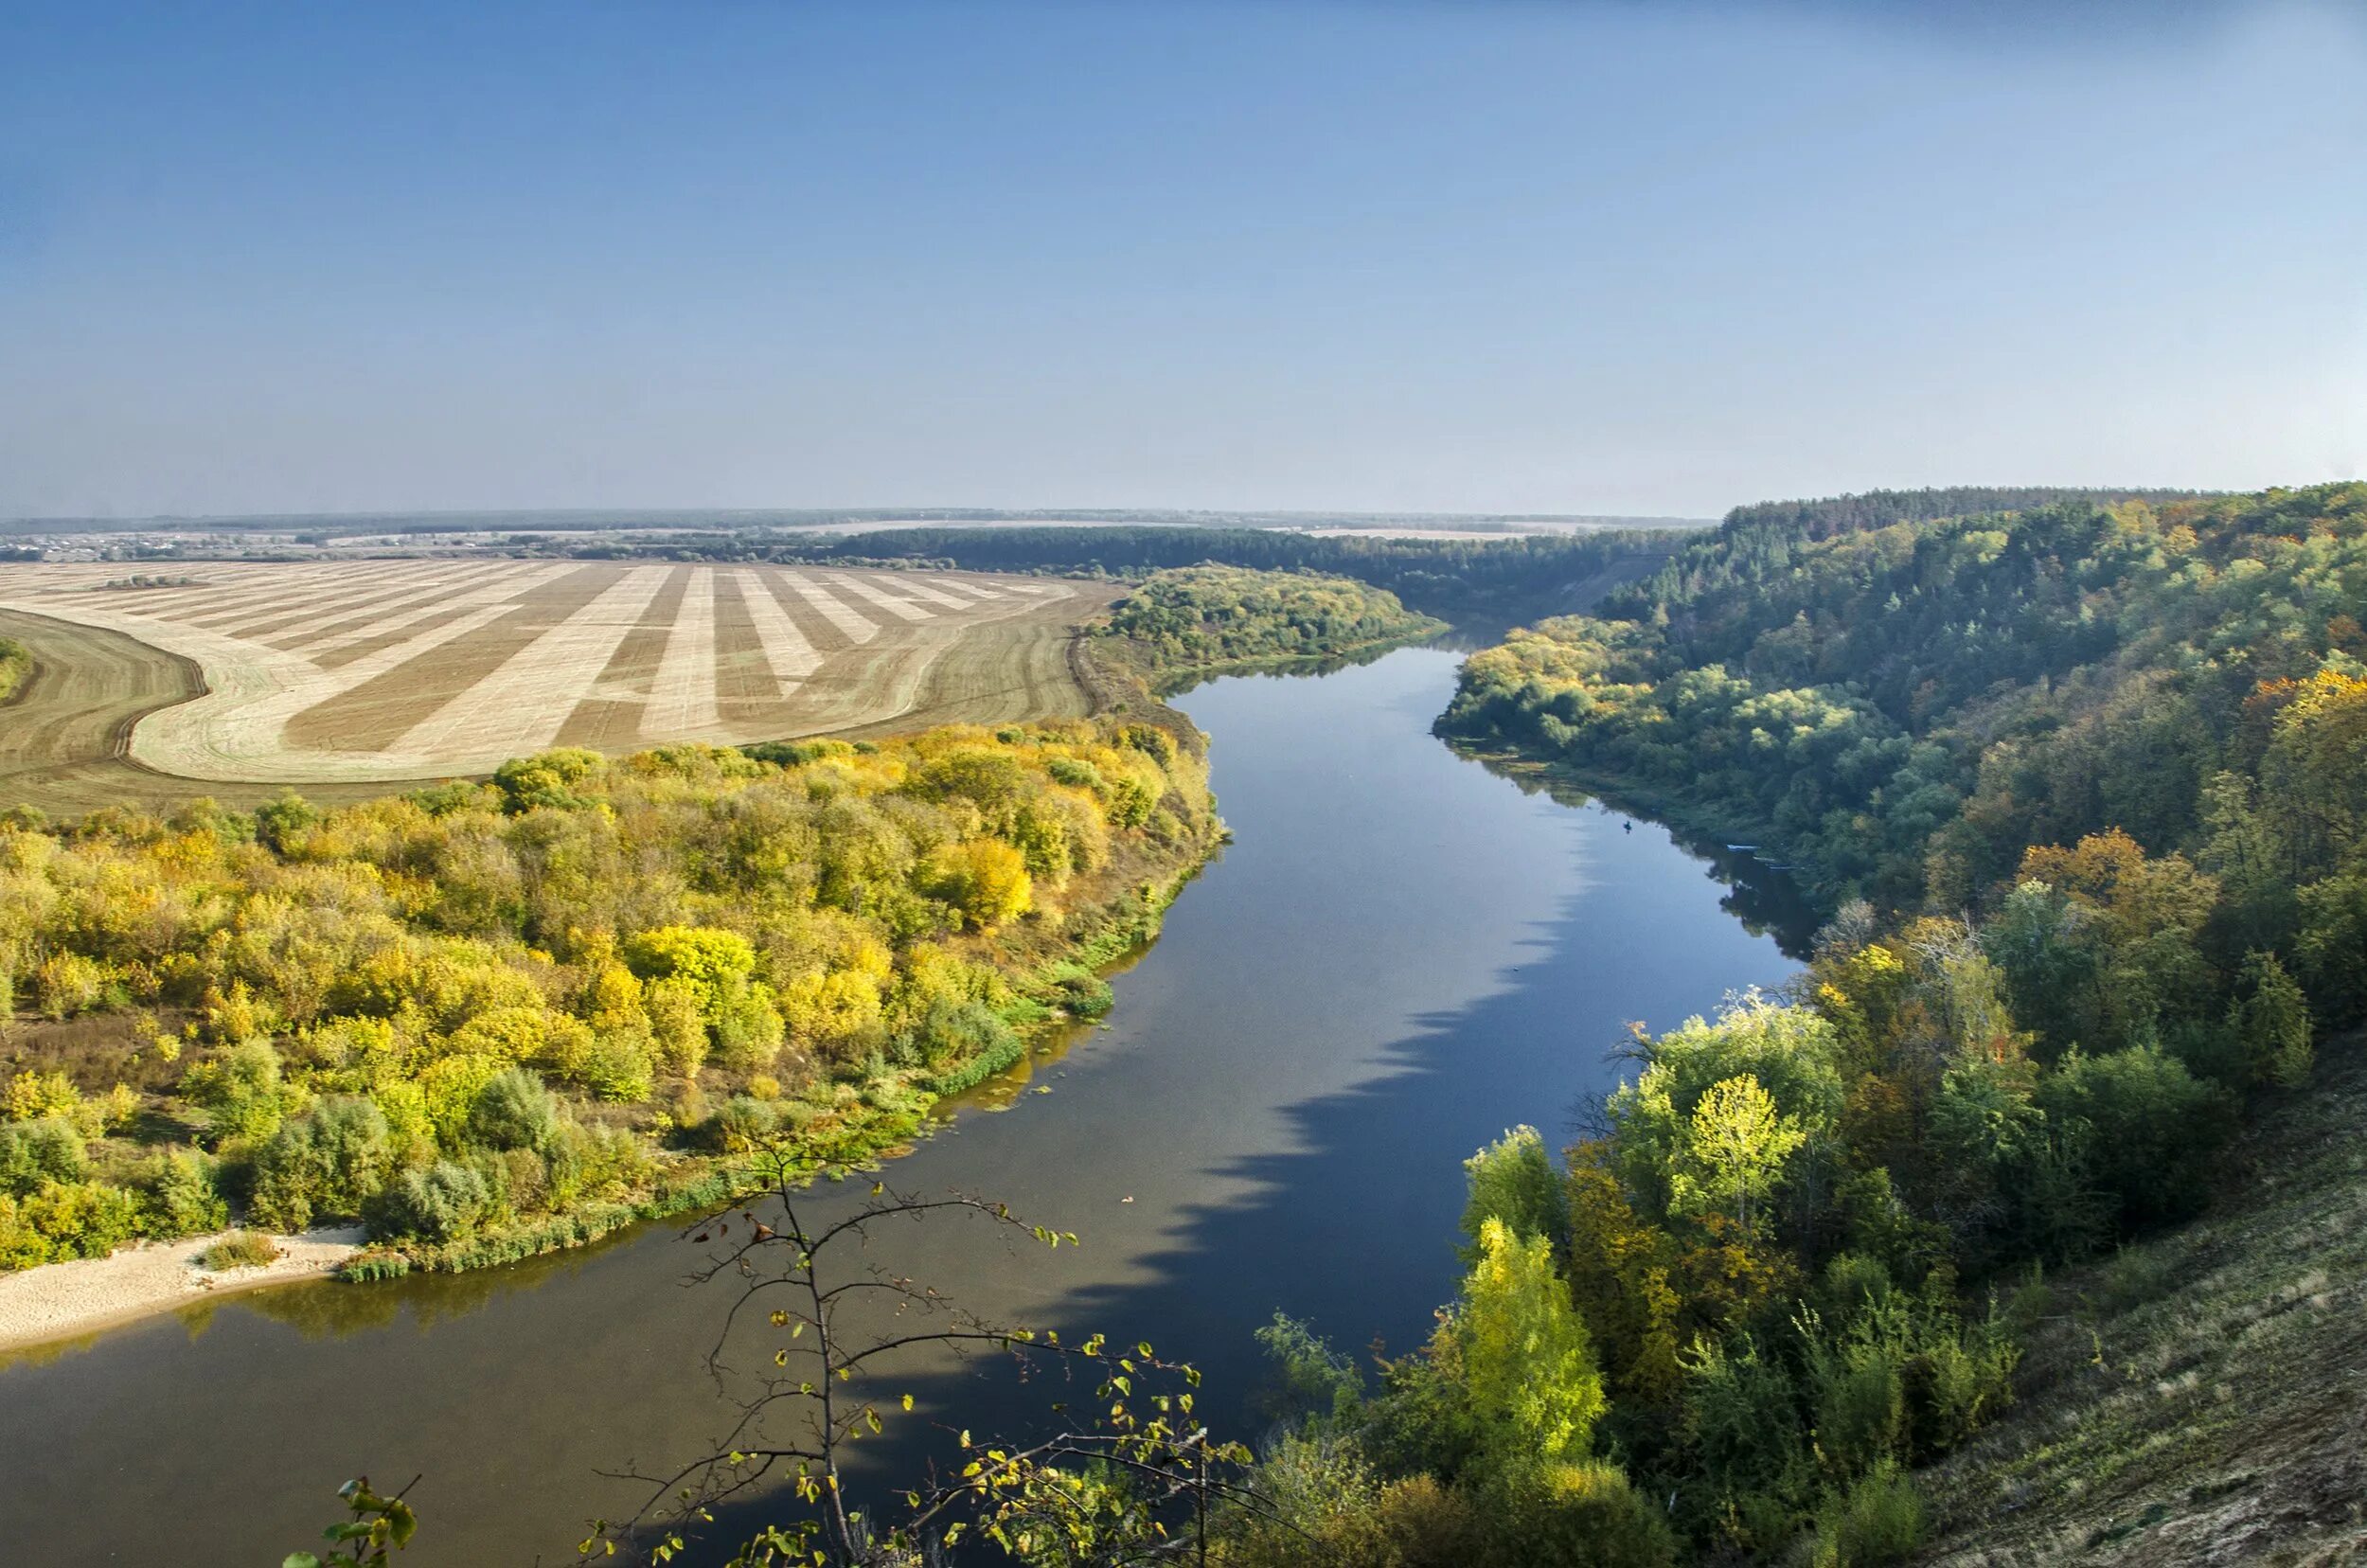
492 1020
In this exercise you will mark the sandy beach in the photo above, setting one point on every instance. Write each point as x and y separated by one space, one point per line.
61 1300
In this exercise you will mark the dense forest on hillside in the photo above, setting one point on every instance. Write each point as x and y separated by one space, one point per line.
1497 578
1200 618
2082 785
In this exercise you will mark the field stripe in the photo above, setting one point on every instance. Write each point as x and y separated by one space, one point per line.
190 603
255 729
785 650
346 629
345 625
849 621
387 589
918 589
901 608
340 620
682 700
522 704
959 585
289 598
257 623
174 603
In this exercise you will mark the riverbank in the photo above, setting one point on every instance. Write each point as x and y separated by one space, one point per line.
61 1301
892 1121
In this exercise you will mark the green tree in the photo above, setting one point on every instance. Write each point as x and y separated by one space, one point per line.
1525 1361
1736 1145
2271 1021
1512 1180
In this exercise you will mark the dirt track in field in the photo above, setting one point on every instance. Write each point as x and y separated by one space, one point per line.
346 685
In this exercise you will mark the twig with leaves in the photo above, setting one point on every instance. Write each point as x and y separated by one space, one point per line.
1108 1492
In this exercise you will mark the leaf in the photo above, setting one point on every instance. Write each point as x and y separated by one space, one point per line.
300 1560
907 1401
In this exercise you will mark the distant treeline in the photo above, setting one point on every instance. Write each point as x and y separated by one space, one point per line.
1438 577
1880 508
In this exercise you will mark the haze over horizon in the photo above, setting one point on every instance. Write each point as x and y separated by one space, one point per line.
1408 258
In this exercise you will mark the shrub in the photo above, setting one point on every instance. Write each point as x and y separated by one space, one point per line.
239 1250
985 881
1082 993
328 1164
240 1090
442 1203
1311 1383
1877 1520
744 1124
31 1097
65 983
515 1110
677 1022
2148 1126
1583 1514
34 1153
618 1068
748 1027
79 1219
1429 1525
590 1161
524 1034
955 1031
184 1196
450 1086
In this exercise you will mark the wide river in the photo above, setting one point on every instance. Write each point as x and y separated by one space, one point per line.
1401 955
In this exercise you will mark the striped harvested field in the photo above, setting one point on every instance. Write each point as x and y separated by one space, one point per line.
390 671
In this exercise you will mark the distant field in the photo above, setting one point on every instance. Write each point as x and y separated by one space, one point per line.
360 672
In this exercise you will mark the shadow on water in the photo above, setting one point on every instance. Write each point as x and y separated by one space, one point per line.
1401 955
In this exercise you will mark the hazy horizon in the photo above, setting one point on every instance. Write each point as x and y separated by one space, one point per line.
1383 257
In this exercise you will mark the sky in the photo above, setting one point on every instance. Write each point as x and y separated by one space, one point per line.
1526 257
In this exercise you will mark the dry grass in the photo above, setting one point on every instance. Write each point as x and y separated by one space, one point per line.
330 675
2201 1398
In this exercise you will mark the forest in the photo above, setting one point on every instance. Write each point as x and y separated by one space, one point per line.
2081 787
486 1018
1497 579
1200 618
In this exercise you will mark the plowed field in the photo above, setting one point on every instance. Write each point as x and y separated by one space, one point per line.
353 673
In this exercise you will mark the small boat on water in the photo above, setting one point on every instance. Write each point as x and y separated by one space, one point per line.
1742 848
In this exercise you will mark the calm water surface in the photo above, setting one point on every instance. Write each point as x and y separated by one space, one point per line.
1401 955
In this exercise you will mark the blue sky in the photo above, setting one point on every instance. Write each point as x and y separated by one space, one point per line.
1527 256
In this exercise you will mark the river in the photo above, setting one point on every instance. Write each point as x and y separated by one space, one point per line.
1401 955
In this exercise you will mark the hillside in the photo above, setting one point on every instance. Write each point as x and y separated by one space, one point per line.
2197 1398
2083 788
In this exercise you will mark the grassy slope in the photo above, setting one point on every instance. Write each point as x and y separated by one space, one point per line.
2202 1398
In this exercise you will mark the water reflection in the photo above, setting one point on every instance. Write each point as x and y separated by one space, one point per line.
1401 955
